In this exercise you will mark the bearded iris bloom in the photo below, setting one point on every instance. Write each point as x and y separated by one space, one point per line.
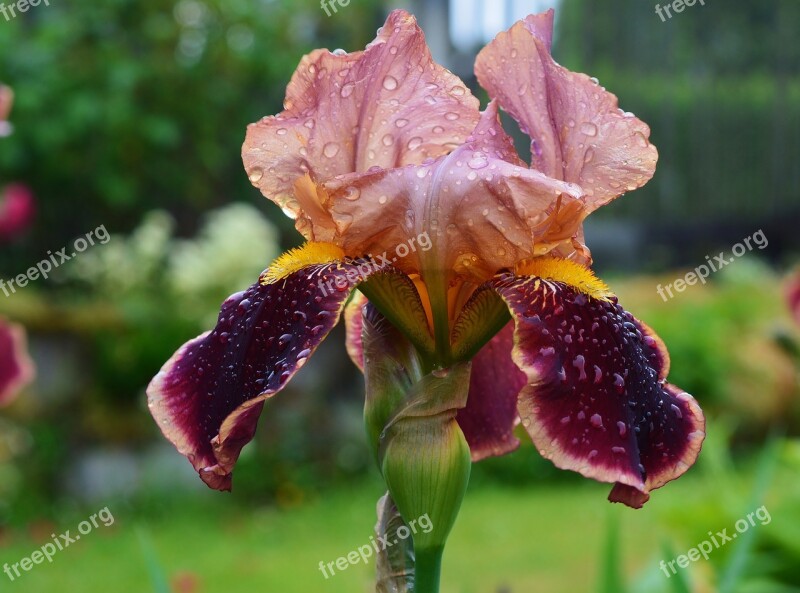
500 321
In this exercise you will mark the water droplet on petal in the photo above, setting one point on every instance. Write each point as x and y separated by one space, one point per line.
438 129
330 150
587 158
352 194
415 143
589 129
451 116
478 161
347 90
388 140
390 83
401 123
596 420
256 175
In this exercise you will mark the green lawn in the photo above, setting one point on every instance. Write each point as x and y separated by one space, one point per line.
510 540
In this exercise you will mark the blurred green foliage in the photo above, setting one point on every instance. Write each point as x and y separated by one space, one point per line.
122 107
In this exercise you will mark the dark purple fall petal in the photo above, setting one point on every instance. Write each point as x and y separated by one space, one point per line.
597 401
207 398
16 368
489 418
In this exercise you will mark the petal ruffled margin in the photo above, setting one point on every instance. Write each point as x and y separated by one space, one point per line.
208 397
578 133
388 106
16 366
597 401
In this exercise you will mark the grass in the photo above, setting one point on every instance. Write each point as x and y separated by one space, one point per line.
506 540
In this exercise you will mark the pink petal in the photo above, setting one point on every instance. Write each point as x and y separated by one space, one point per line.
16 367
387 106
17 210
483 210
578 133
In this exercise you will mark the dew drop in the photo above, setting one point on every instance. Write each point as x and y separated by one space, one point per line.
330 150
401 123
623 428
347 90
390 83
438 129
589 129
352 194
415 143
256 175
388 140
478 161
596 420
451 116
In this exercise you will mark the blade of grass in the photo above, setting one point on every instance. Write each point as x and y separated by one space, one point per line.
677 582
734 569
157 574
611 579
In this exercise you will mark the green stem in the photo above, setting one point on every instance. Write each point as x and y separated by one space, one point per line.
427 570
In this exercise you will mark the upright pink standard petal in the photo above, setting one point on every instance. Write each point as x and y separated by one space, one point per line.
388 106
578 133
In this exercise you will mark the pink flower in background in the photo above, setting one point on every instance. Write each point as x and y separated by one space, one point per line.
16 367
17 211
793 295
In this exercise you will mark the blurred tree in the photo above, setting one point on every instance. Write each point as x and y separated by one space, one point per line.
124 106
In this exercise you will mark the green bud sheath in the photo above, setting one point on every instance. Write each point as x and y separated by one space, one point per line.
421 451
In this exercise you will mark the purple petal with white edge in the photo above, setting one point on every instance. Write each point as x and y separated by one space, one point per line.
597 401
207 398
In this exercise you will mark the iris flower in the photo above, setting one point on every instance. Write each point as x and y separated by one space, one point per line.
379 150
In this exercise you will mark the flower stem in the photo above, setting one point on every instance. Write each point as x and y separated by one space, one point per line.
427 570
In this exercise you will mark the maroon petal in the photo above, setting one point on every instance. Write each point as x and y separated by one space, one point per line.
596 400
489 418
16 367
207 398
